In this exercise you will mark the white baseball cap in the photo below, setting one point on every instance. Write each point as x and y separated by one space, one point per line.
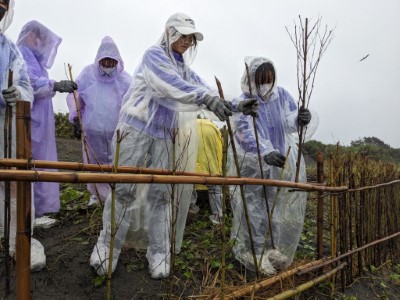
184 24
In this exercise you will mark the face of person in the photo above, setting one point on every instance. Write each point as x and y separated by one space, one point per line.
3 8
183 43
108 62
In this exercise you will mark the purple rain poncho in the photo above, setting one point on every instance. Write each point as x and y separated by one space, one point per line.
277 130
99 99
38 46
11 59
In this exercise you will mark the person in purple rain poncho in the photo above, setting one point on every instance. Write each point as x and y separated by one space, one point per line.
39 45
11 59
102 86
163 98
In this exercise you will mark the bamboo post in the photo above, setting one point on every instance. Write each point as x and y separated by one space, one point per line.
320 207
246 213
23 240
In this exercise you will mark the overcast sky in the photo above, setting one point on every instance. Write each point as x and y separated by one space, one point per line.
353 99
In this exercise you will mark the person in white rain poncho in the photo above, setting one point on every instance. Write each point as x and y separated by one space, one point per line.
101 88
11 59
277 126
162 101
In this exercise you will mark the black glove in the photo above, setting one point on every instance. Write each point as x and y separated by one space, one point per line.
249 107
76 129
221 108
304 116
11 95
275 159
65 86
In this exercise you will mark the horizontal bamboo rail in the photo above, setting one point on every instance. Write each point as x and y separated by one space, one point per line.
241 292
333 260
305 286
76 177
76 166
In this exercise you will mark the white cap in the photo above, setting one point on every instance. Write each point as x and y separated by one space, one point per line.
184 24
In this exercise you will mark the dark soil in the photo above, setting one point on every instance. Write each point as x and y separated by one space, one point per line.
68 246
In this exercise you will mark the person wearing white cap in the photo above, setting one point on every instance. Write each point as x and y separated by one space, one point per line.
164 96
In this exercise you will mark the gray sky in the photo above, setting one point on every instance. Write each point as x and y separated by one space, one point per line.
353 99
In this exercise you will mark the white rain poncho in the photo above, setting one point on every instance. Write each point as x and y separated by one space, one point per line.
277 131
163 98
99 98
11 59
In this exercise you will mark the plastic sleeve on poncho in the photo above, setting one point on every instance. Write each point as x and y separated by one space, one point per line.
20 74
42 85
163 77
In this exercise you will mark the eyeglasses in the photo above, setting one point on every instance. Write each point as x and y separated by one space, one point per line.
188 38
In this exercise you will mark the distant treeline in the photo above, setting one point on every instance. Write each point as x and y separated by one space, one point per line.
369 146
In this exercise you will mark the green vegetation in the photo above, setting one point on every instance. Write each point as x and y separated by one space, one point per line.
63 126
370 147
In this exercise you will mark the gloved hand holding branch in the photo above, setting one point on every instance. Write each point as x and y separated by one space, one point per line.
11 95
221 108
65 86
275 159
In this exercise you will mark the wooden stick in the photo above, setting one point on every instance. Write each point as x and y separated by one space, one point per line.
235 156
303 100
83 138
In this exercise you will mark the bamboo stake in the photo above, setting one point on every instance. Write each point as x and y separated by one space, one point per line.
83 137
269 214
112 230
23 239
173 220
225 193
7 188
307 285
235 156
76 177
320 207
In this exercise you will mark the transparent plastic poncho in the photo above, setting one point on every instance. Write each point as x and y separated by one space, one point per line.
159 115
277 131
